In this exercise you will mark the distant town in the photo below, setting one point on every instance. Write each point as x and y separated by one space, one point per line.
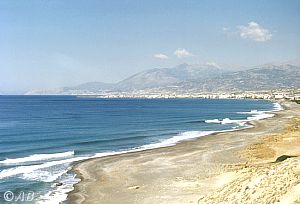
288 94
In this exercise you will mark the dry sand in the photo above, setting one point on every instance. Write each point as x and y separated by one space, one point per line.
256 165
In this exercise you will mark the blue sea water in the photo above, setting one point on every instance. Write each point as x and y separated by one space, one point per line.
41 136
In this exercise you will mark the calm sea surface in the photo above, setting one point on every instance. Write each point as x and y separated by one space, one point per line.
40 136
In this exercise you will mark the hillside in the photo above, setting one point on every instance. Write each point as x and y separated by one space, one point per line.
197 77
258 78
168 76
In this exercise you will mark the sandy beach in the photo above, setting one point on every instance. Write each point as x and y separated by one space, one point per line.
254 165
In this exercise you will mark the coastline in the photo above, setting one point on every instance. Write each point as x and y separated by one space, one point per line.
185 173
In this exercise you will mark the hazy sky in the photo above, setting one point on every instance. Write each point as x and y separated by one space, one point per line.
53 43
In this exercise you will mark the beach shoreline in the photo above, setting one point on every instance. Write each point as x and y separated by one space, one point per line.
187 172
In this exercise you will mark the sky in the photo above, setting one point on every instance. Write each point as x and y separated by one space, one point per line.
46 44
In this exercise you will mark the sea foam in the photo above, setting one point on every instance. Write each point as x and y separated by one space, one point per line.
255 115
277 107
29 169
175 139
37 157
59 194
226 121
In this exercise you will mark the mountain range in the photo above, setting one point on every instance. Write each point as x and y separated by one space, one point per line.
185 77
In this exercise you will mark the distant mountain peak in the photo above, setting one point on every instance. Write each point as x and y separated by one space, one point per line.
168 76
203 78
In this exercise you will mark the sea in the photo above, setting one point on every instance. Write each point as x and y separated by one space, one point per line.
42 136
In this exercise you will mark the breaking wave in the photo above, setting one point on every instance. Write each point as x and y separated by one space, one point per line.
37 157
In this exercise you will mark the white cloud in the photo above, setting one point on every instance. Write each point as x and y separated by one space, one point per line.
161 56
181 52
225 29
213 64
254 31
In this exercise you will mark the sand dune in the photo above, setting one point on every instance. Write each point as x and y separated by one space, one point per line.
271 175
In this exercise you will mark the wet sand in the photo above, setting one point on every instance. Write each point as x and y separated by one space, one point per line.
259 164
